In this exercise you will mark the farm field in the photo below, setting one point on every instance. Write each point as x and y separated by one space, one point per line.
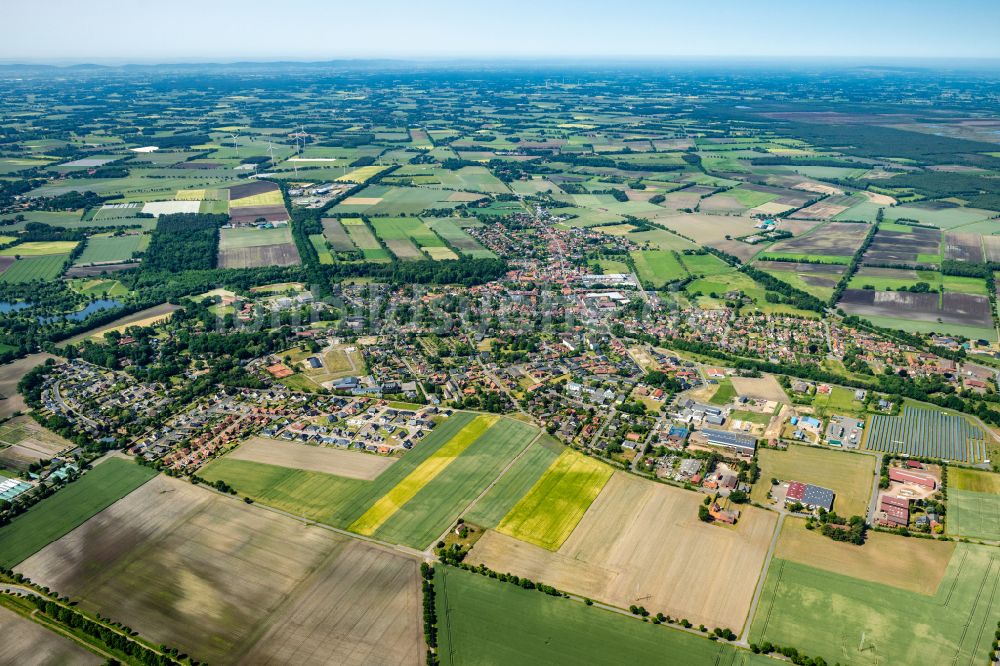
99 287
27 642
111 249
62 512
848 475
245 585
876 623
654 556
816 279
483 621
363 238
973 504
401 200
44 267
10 374
23 442
295 455
337 236
917 565
322 251
835 241
658 267
362 174
39 249
557 501
512 486
146 317
253 248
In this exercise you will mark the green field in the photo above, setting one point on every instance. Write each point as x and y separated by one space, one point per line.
365 240
70 507
337 236
848 475
973 514
483 621
98 287
34 268
839 401
104 249
39 249
658 267
750 198
241 237
852 621
516 483
724 394
704 264
322 251
458 238
555 504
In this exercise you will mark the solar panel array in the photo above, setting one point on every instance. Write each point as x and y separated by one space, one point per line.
928 433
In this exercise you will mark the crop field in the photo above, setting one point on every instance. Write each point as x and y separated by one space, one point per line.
399 200
62 512
658 267
337 236
833 239
404 249
929 432
362 174
244 585
253 248
654 558
458 238
39 249
515 484
870 623
547 515
483 621
816 279
897 279
945 218
964 247
272 198
24 442
10 374
364 239
915 245
419 495
916 565
318 241
46 267
403 229
704 264
848 475
27 642
110 249
351 464
973 503
951 312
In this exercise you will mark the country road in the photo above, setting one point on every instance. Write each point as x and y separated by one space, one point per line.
745 634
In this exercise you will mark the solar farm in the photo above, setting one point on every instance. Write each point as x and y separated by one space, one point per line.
929 433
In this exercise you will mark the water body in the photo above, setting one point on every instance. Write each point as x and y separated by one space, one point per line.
95 306
7 306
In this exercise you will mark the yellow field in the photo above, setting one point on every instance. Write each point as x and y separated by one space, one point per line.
440 253
917 565
7 239
39 248
424 473
190 195
361 174
352 221
272 198
550 511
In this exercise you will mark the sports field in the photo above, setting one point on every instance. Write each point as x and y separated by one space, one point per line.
557 501
231 583
109 249
848 475
515 484
642 543
483 621
60 513
853 621
46 267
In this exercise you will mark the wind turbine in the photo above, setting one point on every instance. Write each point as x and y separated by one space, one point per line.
270 149
236 146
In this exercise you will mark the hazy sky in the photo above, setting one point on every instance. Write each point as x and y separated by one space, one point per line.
174 30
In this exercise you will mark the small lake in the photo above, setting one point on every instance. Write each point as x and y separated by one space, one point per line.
7 306
99 305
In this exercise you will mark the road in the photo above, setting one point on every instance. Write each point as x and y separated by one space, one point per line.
873 503
745 634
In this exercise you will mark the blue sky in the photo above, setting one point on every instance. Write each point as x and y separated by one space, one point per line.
178 30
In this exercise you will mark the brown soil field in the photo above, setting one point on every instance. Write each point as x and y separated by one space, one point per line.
6 262
877 271
880 199
831 239
992 247
142 318
10 374
894 247
26 643
762 388
29 442
251 214
819 211
250 189
963 309
964 247
917 565
642 543
283 254
232 583
99 269
352 464
793 267
404 249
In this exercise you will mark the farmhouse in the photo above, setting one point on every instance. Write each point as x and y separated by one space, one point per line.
895 511
813 497
900 475
743 445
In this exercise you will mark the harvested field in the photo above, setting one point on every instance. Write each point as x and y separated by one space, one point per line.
251 188
762 388
642 543
917 565
252 214
26 643
157 208
404 249
352 464
10 374
918 245
335 234
245 585
93 271
992 246
254 248
964 247
821 210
